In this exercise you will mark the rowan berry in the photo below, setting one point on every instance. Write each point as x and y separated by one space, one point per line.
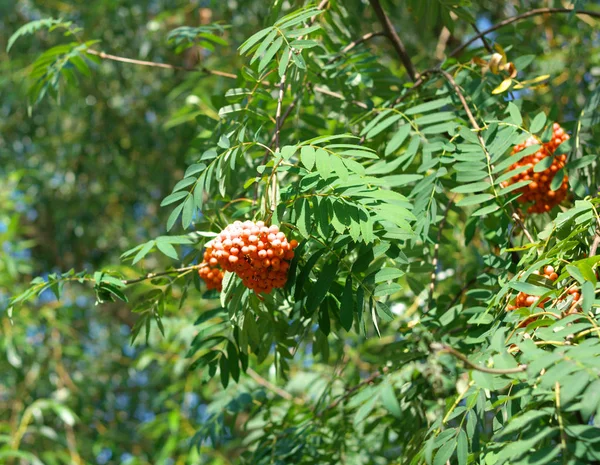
538 192
257 253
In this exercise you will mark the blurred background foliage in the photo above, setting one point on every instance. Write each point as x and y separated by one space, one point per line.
81 181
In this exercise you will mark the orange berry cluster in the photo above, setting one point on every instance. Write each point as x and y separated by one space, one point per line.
525 300
257 253
212 276
538 191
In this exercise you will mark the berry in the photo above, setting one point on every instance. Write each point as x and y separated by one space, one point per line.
525 300
257 253
538 192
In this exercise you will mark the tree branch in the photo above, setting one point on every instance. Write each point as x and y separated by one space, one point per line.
355 43
127 282
152 64
271 387
513 19
436 251
371 378
443 348
392 35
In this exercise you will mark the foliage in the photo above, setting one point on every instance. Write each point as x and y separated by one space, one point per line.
396 338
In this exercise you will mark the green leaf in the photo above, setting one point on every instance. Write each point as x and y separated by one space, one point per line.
471 188
538 123
425 107
515 114
143 252
557 180
389 400
247 45
474 199
387 274
304 217
167 249
339 167
308 156
188 212
445 452
382 126
397 139
284 61
462 450
528 288
323 163
264 45
172 198
270 53
318 292
347 306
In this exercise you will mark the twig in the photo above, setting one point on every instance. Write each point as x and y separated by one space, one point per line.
371 378
353 44
436 251
271 387
442 42
392 35
442 348
519 221
595 244
561 426
486 44
469 283
418 83
464 103
279 118
106 56
127 282
322 90
513 19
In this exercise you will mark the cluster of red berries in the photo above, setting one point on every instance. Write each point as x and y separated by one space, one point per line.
257 253
212 276
538 191
526 300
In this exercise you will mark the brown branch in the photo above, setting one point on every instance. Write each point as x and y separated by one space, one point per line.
392 35
513 19
370 379
519 221
355 43
443 348
486 44
442 42
436 250
595 244
464 103
127 282
322 90
271 387
152 64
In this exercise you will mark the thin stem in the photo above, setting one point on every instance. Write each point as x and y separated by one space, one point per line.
457 401
507 21
106 56
271 387
355 43
370 379
441 348
519 221
436 250
397 43
561 426
185 269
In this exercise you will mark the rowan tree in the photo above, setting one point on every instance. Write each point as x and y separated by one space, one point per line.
296 232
